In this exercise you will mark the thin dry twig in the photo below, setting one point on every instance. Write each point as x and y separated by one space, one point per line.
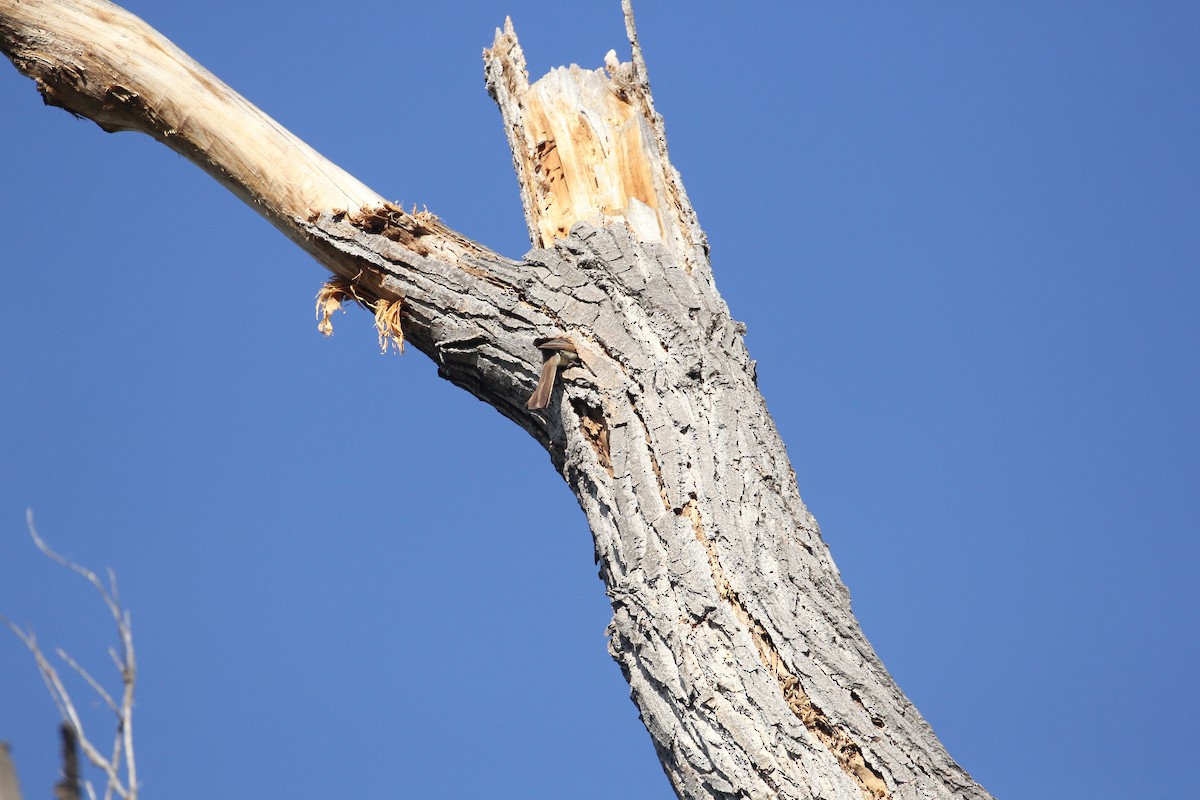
83 673
122 758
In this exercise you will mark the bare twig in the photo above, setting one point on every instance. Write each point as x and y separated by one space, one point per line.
83 673
122 758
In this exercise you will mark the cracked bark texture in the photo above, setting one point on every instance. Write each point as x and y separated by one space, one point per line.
730 620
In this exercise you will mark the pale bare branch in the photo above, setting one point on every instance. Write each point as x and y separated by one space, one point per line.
62 699
122 757
83 673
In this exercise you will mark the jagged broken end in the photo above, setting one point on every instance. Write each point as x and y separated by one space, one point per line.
588 146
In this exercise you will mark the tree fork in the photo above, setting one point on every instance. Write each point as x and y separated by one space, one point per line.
730 620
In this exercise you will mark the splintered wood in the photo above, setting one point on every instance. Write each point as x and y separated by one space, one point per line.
589 155
586 148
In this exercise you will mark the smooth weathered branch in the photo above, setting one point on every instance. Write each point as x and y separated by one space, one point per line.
100 62
730 620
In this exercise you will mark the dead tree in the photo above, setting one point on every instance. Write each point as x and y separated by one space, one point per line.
730 620
10 788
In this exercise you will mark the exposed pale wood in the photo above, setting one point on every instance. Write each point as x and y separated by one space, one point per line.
588 146
100 62
730 620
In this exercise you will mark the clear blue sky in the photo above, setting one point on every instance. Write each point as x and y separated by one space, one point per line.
964 239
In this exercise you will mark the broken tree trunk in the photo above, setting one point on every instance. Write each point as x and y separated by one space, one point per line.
730 620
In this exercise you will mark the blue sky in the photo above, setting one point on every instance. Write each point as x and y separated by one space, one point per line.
963 238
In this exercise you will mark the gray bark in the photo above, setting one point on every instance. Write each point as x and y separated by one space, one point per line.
10 788
730 620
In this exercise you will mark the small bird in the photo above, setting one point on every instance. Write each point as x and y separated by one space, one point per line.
557 352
